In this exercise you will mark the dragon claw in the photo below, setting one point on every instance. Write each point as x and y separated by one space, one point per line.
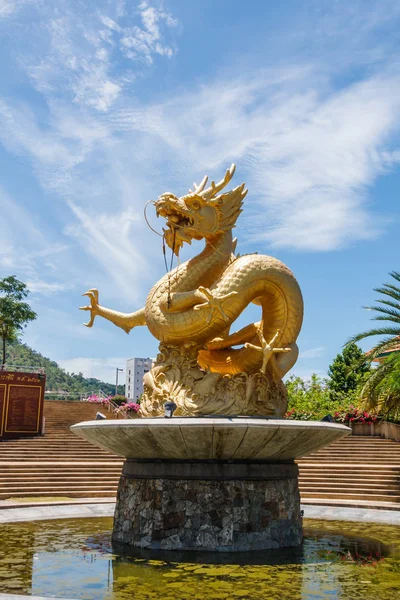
93 296
266 348
214 303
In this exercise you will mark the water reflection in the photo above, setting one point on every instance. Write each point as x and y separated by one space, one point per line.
328 547
74 559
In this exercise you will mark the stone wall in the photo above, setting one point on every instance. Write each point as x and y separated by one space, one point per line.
385 429
209 514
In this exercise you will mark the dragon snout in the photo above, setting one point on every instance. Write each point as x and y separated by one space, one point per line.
170 207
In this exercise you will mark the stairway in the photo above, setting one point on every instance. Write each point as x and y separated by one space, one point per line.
355 471
58 464
358 471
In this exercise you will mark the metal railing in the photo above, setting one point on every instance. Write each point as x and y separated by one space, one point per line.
111 406
116 410
98 393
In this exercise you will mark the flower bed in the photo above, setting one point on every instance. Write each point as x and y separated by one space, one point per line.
95 399
128 409
354 416
360 421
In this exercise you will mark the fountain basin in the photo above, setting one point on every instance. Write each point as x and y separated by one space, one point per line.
224 484
216 438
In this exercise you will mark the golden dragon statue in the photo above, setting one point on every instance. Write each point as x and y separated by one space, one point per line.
201 366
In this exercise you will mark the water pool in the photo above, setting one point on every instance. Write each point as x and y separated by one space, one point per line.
75 559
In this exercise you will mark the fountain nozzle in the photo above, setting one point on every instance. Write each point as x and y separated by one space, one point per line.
169 408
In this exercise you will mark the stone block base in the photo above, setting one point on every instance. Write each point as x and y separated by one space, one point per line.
214 506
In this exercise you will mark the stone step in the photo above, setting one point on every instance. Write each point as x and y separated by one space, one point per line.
74 487
45 452
354 472
356 480
43 469
343 459
42 447
51 447
347 471
358 453
345 467
52 463
54 436
88 493
350 448
360 442
351 496
63 458
373 504
360 487
45 480
70 476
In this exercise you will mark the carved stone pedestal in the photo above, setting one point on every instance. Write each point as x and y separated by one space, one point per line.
222 506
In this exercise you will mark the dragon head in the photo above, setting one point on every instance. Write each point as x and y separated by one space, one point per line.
202 213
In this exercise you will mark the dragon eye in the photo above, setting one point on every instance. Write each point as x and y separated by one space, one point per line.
195 205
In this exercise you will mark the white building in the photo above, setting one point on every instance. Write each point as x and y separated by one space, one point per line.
135 370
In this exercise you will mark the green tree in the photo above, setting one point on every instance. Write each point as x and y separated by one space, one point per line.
15 314
381 390
58 379
309 398
347 373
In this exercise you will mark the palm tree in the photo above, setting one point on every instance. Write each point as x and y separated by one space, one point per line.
381 390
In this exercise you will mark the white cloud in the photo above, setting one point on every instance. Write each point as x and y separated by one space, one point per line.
103 369
8 7
139 42
23 239
312 352
45 287
109 238
110 23
81 50
96 90
309 152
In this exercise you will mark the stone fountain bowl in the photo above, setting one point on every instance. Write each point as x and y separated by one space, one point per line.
210 438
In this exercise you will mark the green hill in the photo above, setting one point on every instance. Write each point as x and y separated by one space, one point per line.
57 379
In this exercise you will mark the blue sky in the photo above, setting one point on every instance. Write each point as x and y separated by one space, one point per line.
105 104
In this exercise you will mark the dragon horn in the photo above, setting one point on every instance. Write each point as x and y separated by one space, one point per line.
214 188
197 189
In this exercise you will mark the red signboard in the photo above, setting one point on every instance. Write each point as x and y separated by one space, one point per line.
21 404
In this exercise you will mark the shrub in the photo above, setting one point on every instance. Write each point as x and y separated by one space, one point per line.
309 396
119 400
299 415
